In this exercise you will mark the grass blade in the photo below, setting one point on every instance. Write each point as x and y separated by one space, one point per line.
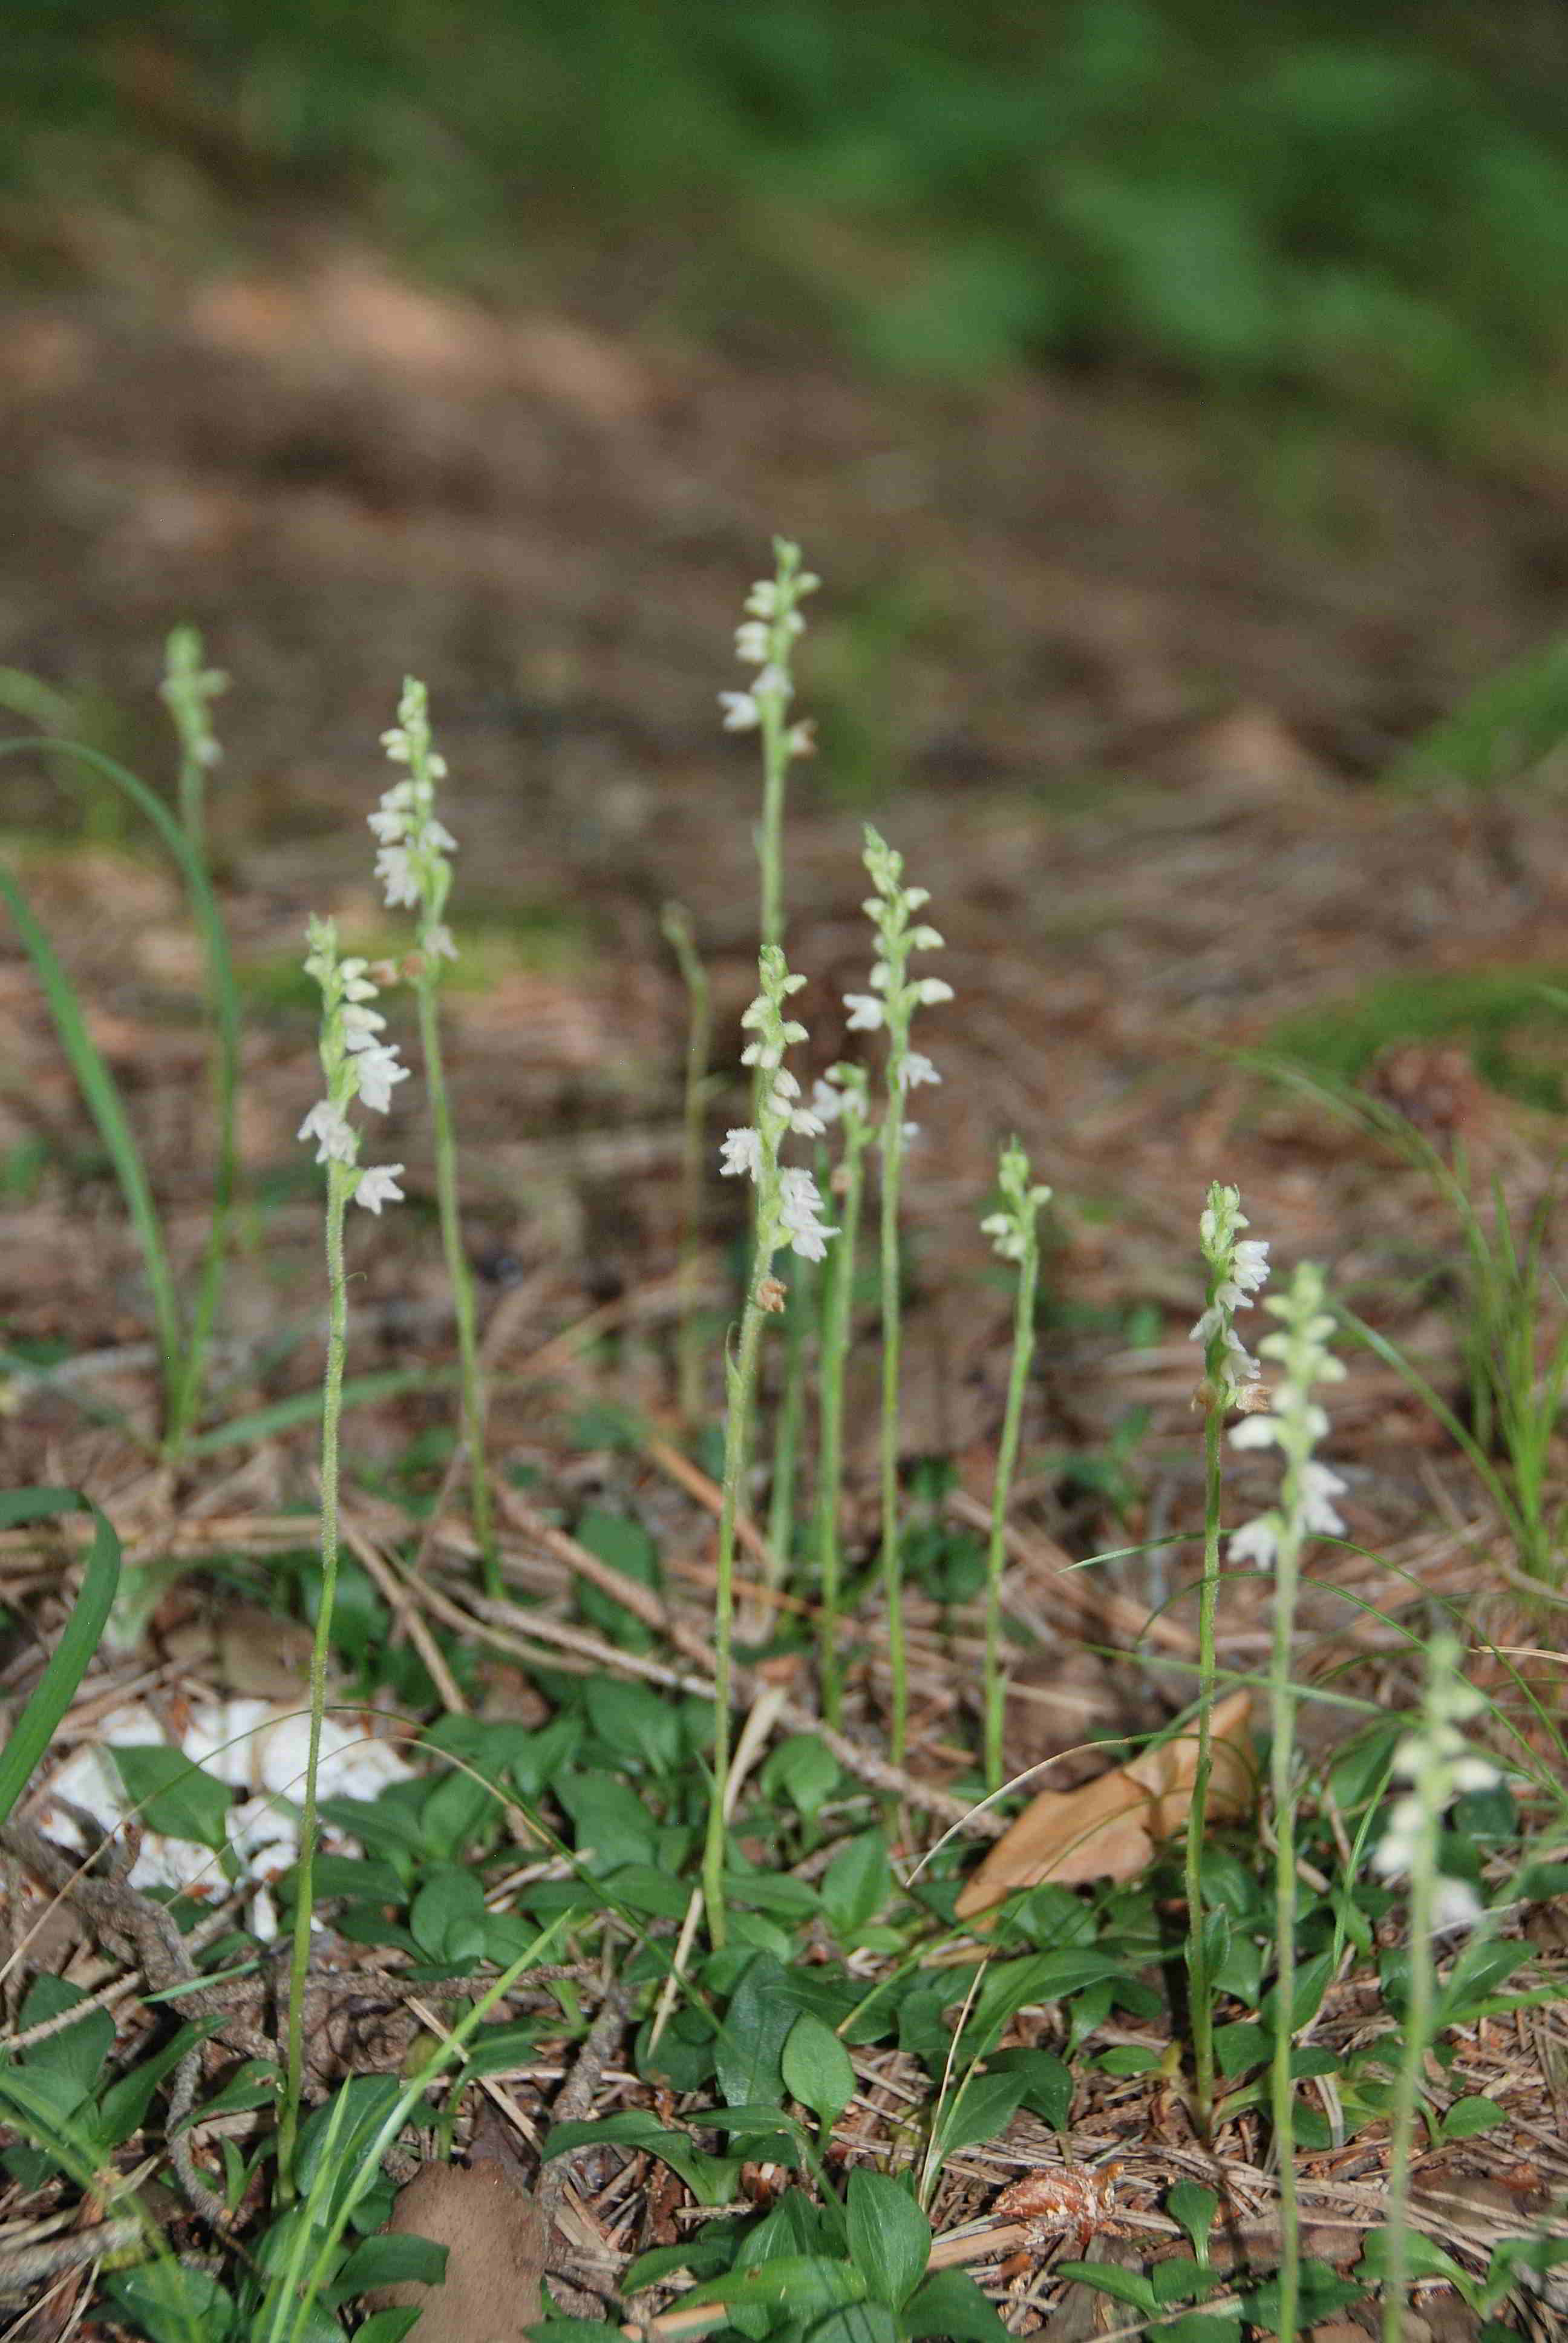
69 1660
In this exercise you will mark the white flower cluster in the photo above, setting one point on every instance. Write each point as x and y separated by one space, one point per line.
1238 1266
411 863
764 641
895 995
1441 1765
1294 1425
1012 1230
791 1206
356 1066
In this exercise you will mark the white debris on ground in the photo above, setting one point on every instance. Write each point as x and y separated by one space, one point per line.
248 1744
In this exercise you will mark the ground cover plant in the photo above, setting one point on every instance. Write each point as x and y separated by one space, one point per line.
669 1909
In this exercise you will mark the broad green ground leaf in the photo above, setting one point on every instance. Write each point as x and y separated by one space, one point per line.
751 2039
817 2069
174 1795
890 2236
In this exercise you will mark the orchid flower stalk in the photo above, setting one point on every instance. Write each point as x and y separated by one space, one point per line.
1014 1233
765 639
360 1068
1274 1541
839 1099
891 1005
414 866
789 1215
1236 1267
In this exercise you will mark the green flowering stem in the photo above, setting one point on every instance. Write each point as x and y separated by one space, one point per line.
798 1315
1016 1235
888 1446
187 689
742 1377
676 923
1407 2082
1199 1985
837 1305
340 1185
1236 1267
1282 1766
459 1276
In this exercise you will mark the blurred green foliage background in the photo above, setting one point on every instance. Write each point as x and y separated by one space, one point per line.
1365 206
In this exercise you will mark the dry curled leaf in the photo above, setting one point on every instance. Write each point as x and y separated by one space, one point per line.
1109 1829
494 2233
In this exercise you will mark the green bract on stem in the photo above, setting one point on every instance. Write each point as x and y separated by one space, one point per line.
1236 1267
413 866
1014 1232
765 639
360 1068
841 1099
677 925
789 1213
1274 1541
891 1003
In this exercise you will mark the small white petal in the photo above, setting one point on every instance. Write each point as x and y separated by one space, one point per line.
741 1154
866 1012
741 713
378 1186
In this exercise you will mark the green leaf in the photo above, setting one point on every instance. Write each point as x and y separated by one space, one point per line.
393 2260
1128 2059
890 2236
386 2326
797 2282
860 2322
751 2039
710 2179
817 2069
980 2109
448 1917
856 1883
632 1720
172 2304
805 1770
1196 2327
613 1825
456 1810
1178 2278
1322 2292
644 1887
1194 2207
626 1547
1478 1971
66 2063
174 1795
1467 2117
1311 1982
1239 2048
1109 2277
122 2109
950 2304
52 1696
1047 2083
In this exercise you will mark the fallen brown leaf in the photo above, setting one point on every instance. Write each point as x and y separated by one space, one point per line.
1109 1829
495 2235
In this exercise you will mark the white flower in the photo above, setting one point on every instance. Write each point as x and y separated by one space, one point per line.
360 1026
1250 1263
807 1123
741 713
753 641
1257 1542
438 941
1454 1905
357 985
378 1186
799 1213
389 823
378 1070
771 683
327 1124
827 1103
930 990
801 739
395 743
394 868
866 1012
1319 1486
918 1069
437 837
1005 1234
763 599
741 1154
924 939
